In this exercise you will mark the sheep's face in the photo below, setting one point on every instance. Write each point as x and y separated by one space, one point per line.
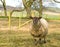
35 19
36 24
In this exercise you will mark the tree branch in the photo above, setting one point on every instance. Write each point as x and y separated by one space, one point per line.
56 1
41 8
4 6
16 11
1 1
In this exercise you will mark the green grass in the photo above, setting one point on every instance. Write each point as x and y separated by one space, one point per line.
3 16
48 17
51 17
24 39
23 15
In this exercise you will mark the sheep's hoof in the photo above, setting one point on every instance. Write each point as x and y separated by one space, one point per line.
44 41
36 43
34 39
40 42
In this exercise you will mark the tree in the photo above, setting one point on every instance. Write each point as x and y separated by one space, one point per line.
16 11
4 6
41 8
27 5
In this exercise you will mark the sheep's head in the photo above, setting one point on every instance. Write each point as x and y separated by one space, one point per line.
35 19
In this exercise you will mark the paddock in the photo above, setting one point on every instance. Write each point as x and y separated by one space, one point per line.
15 36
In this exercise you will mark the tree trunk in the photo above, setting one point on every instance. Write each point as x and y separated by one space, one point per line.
4 6
41 9
27 6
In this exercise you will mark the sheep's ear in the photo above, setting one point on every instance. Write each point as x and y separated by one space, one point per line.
40 17
31 17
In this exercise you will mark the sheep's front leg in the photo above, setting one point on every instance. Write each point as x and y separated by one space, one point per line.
36 41
40 40
44 39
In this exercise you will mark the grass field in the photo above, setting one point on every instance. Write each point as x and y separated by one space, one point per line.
22 38
47 15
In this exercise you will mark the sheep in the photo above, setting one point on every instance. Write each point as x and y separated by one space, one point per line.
39 29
